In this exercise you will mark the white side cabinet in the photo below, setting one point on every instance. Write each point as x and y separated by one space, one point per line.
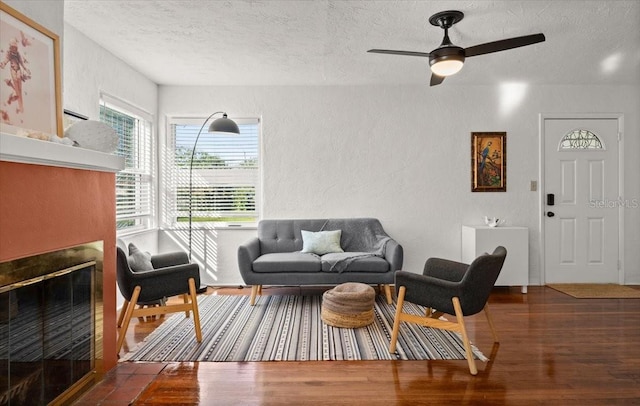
476 240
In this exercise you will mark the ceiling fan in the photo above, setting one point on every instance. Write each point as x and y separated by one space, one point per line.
448 58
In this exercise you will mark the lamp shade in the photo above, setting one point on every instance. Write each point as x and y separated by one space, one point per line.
224 125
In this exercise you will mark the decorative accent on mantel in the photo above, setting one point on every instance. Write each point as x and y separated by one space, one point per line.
31 151
95 135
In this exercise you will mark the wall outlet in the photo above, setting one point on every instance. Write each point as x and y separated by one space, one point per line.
534 185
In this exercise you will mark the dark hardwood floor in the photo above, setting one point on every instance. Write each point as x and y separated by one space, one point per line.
553 350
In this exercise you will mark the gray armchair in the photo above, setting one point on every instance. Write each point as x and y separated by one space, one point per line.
167 275
449 287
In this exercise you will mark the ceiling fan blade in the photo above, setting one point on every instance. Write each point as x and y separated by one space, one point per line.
503 45
436 80
406 53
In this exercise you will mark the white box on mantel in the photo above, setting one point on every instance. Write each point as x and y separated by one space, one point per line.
476 240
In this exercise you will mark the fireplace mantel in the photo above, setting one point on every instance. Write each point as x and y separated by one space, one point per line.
30 151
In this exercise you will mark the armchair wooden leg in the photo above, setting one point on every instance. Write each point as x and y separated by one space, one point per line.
254 293
387 292
465 337
141 319
194 309
490 321
122 311
396 321
185 299
127 318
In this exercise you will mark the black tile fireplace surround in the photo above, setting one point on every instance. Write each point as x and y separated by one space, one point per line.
50 332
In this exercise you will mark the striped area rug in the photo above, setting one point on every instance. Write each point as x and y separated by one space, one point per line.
289 328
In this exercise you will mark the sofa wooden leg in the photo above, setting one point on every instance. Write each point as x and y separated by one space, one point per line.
387 292
254 292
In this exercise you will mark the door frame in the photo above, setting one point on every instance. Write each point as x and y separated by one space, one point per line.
541 176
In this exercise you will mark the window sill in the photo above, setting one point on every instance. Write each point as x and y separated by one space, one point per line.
134 232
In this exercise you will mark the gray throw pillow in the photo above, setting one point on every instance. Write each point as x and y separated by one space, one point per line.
139 260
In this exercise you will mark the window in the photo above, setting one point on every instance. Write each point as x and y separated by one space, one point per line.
580 139
134 185
225 176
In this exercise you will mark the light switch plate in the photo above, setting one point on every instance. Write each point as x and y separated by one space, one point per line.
534 185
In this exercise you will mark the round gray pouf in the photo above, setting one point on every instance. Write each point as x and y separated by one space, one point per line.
349 305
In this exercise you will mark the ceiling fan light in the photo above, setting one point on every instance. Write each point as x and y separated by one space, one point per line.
446 67
446 60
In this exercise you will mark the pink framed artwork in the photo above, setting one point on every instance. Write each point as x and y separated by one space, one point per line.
30 93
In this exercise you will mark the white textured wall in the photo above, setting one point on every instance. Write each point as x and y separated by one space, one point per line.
214 249
48 13
402 154
90 69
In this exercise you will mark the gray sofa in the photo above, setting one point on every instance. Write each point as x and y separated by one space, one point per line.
274 257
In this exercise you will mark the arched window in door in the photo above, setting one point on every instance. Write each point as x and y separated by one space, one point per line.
580 139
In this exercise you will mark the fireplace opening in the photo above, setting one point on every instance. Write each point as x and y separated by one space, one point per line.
49 330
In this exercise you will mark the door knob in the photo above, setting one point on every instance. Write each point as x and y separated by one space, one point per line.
550 214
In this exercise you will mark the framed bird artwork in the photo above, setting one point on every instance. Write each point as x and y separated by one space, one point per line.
488 161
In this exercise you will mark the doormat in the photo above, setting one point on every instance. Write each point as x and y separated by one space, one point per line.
596 290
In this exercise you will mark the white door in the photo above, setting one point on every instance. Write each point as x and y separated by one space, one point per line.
581 224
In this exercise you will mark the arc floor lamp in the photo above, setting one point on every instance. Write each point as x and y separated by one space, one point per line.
222 125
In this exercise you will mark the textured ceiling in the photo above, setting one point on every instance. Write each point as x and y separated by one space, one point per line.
189 42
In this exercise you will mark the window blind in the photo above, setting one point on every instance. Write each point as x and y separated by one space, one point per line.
225 176
134 185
